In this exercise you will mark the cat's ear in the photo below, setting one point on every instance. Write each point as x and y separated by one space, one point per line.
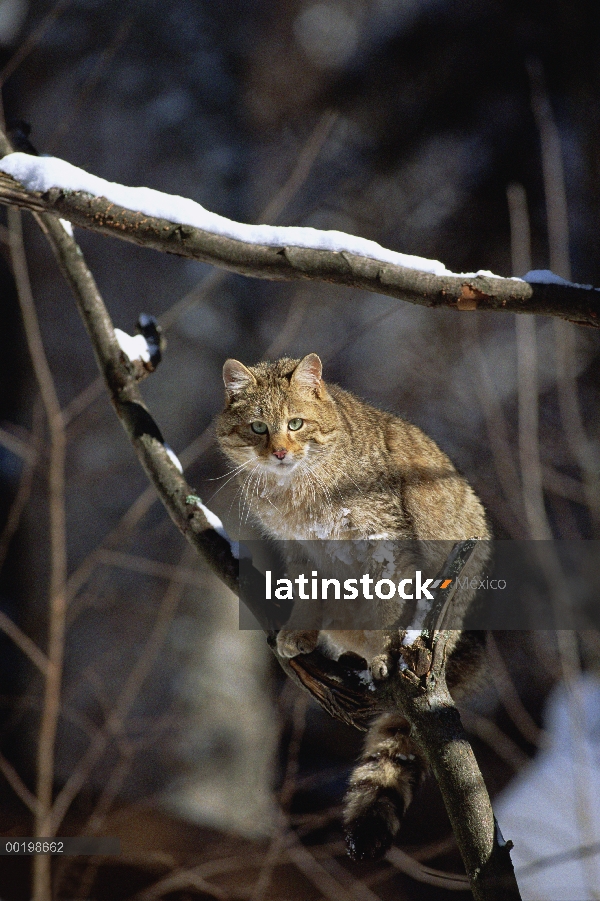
236 377
308 373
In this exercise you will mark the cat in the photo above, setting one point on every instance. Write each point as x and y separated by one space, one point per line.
314 461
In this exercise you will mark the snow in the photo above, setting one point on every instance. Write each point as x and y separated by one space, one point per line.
411 636
173 458
547 277
365 678
215 523
135 347
553 806
42 173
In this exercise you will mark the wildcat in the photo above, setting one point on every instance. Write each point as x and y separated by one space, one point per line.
314 461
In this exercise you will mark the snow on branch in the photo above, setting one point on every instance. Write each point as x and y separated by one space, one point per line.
178 225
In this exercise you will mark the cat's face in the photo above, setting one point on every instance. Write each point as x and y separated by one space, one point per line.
278 415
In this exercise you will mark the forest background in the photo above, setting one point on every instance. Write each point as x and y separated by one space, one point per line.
403 121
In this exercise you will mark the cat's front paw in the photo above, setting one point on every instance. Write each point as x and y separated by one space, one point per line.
381 667
291 642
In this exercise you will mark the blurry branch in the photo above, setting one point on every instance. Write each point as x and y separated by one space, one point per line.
509 695
527 382
286 795
458 292
24 643
149 567
327 884
18 786
117 715
503 746
323 855
300 172
31 452
557 217
17 446
179 881
562 485
452 882
58 554
581 852
584 451
114 725
496 427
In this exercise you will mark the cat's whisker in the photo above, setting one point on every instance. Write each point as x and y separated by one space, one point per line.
314 477
251 490
230 479
274 506
229 472
248 481
242 492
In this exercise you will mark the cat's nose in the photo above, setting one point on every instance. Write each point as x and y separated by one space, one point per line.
279 453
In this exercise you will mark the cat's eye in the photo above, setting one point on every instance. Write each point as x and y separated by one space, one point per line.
259 427
295 424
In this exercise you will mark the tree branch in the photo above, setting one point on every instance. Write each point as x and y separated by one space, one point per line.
141 428
428 706
274 252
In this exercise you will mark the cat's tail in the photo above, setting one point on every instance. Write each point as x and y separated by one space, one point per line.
381 787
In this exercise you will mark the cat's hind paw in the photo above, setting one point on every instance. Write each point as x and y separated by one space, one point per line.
292 642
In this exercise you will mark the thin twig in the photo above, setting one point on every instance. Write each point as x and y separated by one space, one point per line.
509 696
182 879
135 563
23 494
18 786
286 795
315 872
402 861
24 643
496 426
18 447
487 730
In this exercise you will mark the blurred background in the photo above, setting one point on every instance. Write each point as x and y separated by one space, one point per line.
467 132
